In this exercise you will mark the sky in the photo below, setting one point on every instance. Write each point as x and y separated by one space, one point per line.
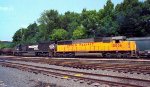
16 14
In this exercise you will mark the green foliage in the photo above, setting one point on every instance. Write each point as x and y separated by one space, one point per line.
19 35
50 19
108 27
31 32
6 45
2 46
79 33
26 35
108 24
69 21
42 34
144 19
108 9
58 34
129 18
90 21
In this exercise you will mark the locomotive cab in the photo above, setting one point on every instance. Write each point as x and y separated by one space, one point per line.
127 48
119 38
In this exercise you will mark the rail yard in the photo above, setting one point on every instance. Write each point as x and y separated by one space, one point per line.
75 43
78 72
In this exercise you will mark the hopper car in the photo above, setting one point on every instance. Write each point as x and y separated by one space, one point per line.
6 51
143 45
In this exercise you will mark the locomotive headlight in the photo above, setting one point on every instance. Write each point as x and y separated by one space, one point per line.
52 46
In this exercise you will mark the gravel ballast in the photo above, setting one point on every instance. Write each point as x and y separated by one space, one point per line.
104 72
10 77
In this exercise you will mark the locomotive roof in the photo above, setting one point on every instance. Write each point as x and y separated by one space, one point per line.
96 39
37 43
64 42
46 42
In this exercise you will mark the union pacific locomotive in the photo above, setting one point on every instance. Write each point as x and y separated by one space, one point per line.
101 47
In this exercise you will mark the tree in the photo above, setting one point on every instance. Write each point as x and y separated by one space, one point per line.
108 24
79 33
144 19
2 45
41 35
6 45
69 21
128 16
89 19
58 34
108 9
19 36
29 35
50 19
109 27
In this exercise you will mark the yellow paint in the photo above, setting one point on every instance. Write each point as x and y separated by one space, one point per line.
98 46
78 74
65 77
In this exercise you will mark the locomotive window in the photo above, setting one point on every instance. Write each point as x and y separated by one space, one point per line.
117 41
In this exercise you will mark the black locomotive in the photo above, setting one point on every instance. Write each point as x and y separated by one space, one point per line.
38 49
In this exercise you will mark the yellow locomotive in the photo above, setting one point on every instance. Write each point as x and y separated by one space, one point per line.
104 47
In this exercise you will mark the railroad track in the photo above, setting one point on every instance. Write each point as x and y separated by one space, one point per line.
124 68
78 76
132 68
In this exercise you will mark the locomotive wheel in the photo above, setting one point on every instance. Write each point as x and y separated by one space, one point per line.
50 54
103 55
36 54
20 54
124 55
59 55
65 55
108 55
119 55
114 55
70 55
128 55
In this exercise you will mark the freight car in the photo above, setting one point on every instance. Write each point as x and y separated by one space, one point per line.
106 47
6 51
38 49
143 45
0 51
